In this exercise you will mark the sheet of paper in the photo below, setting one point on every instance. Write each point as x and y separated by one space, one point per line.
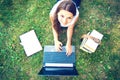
30 43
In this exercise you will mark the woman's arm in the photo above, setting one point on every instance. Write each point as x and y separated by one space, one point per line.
58 44
55 34
69 37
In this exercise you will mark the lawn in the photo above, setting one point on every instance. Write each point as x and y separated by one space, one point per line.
20 16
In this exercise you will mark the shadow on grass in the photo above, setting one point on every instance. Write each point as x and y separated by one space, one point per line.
5 12
114 71
9 69
6 3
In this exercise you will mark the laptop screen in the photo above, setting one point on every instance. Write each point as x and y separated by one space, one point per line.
53 56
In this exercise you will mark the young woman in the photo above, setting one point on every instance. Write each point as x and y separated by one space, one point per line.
64 14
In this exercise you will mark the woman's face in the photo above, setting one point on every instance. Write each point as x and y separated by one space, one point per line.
64 17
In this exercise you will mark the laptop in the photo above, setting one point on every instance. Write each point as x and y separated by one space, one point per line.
58 63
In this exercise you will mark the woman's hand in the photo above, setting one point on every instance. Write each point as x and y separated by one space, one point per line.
68 50
58 45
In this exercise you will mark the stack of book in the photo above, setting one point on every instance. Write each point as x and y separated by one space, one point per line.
91 41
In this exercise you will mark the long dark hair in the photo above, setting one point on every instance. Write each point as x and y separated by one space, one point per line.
65 5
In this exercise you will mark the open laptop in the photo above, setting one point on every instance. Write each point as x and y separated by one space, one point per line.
58 63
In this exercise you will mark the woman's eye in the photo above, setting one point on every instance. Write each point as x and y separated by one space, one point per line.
62 16
69 18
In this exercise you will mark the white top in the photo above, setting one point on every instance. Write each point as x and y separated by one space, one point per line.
53 10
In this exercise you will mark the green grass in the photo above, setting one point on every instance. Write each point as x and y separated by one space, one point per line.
20 16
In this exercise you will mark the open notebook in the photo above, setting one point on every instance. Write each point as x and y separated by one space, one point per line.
58 63
30 43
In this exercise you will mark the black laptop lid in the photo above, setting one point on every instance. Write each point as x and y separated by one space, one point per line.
58 71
